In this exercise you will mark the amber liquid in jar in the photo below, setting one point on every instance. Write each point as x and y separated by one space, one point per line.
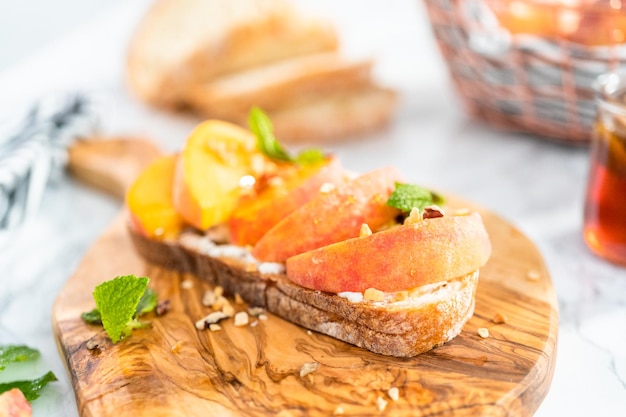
605 204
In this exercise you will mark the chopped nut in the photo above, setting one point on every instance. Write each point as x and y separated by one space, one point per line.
338 411
263 317
210 319
309 332
162 307
327 187
256 311
394 393
219 291
365 230
214 327
228 310
533 275
176 347
372 294
499 318
209 298
238 299
381 403
220 302
432 212
92 344
308 367
241 319
254 323
483 332
186 284
414 217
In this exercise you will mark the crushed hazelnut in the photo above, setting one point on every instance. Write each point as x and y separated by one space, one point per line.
381 403
176 347
162 307
210 319
414 216
209 298
219 291
263 317
238 299
214 327
256 311
186 284
432 212
365 230
483 332
241 319
92 344
394 393
372 294
220 302
533 275
499 318
308 367
228 310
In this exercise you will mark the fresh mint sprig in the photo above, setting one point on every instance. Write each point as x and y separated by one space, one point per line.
408 196
10 354
262 127
118 304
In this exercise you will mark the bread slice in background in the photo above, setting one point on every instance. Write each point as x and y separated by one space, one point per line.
180 43
219 58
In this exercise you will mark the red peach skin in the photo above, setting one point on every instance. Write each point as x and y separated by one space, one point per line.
253 217
396 259
332 217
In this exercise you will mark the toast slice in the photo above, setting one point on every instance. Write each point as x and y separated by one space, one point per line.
405 326
181 43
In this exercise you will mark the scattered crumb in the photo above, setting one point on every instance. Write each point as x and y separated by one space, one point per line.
176 347
256 311
394 393
162 307
219 291
533 275
254 323
338 411
309 332
214 327
210 319
220 302
365 230
186 284
372 294
228 310
238 299
209 298
92 344
483 332
309 367
262 317
381 403
499 318
414 216
241 319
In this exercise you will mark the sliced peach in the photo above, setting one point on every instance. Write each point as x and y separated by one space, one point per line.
215 157
256 214
396 259
332 216
13 403
149 200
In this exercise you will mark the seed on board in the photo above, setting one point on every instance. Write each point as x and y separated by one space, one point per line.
241 319
308 367
394 393
499 318
381 403
483 332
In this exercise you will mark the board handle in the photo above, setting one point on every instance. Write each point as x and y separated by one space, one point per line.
110 164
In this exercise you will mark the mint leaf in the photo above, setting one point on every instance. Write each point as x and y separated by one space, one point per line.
117 300
16 353
408 196
261 125
147 303
30 388
92 317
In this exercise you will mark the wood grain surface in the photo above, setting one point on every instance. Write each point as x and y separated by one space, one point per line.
174 369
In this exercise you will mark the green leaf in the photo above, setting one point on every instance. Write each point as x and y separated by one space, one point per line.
261 125
16 353
408 196
117 301
92 317
30 388
147 303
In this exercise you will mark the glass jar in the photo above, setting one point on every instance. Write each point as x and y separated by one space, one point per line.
605 203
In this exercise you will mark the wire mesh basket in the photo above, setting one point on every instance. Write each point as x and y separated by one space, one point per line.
530 65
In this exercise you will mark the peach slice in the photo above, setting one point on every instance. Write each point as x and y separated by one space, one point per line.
256 214
149 200
332 216
215 157
396 259
13 403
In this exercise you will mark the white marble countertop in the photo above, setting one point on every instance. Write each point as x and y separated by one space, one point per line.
534 184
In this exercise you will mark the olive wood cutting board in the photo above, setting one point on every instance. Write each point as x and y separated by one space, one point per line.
172 368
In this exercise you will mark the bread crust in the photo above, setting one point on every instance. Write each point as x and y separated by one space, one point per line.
431 316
